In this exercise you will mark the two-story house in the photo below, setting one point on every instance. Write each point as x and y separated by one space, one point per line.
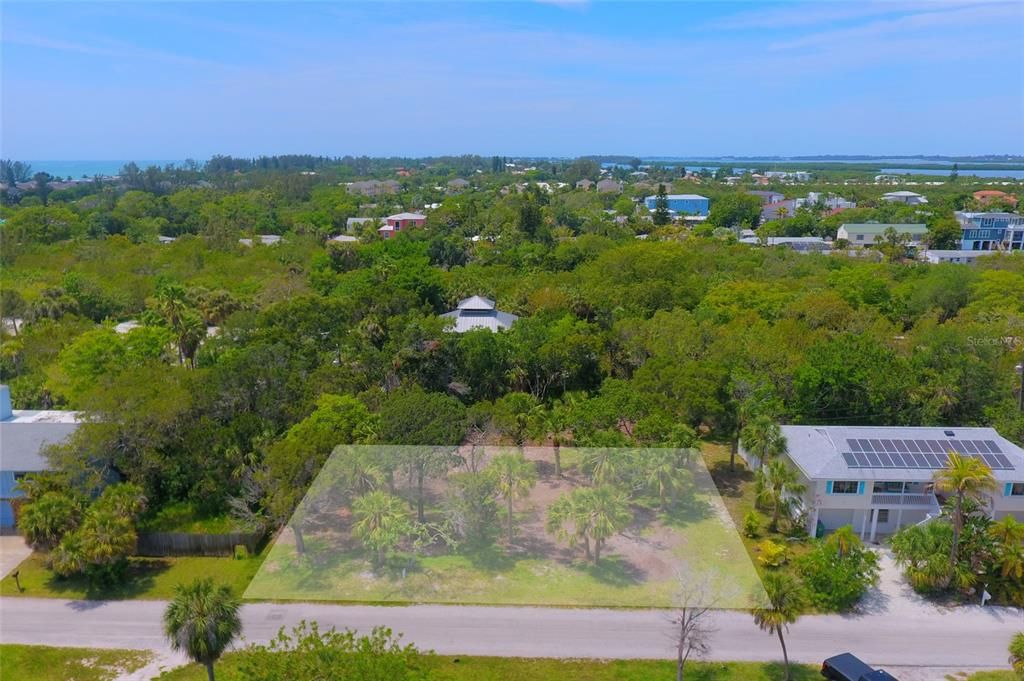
879 479
399 222
991 231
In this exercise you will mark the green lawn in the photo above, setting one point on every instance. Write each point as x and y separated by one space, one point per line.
147 578
42 663
737 491
520 669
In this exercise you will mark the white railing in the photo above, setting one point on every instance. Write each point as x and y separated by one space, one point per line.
903 500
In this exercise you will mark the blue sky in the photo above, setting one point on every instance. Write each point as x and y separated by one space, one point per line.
191 79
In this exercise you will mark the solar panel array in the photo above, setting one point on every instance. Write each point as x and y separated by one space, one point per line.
930 454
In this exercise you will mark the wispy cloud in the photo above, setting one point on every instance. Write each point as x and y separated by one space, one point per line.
103 48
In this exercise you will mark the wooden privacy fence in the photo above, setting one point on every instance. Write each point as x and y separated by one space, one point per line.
190 544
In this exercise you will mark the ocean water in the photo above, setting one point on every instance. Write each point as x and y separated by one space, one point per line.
1015 174
79 169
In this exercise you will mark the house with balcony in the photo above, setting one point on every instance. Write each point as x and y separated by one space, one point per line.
991 231
400 222
879 478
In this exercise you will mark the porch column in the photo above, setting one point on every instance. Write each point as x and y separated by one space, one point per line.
874 524
899 518
864 525
812 527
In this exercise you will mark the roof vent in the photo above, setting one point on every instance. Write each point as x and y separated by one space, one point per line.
949 433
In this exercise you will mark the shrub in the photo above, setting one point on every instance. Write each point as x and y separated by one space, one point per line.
751 524
772 554
241 553
835 579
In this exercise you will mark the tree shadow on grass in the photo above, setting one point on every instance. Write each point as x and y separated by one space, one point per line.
139 579
686 512
614 571
730 483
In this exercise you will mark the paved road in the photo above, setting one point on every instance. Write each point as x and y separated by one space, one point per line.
968 637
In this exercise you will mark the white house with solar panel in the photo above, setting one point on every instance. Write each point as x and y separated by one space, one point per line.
477 312
879 479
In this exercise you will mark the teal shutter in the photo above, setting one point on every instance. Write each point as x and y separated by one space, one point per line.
828 487
1008 490
860 487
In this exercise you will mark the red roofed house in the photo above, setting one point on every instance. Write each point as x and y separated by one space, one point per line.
988 195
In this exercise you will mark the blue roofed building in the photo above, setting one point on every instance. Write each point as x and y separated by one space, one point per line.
24 436
682 204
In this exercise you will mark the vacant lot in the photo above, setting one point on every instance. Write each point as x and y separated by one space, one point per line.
42 663
640 566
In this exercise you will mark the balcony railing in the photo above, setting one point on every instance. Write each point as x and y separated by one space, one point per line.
903 500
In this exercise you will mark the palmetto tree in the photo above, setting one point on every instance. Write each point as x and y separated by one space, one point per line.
202 621
964 477
47 519
553 423
763 438
666 474
1017 653
382 521
781 604
514 476
777 485
843 540
589 515
1008 531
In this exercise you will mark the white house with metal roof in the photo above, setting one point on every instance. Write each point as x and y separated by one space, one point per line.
879 479
477 312
909 198
23 436
869 233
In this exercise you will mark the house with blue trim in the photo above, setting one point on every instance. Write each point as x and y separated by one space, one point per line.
24 436
991 231
879 478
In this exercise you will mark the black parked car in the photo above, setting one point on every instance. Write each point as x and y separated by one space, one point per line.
848 667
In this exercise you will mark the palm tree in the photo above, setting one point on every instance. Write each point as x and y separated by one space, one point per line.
46 520
608 513
843 540
1008 531
382 521
777 484
763 438
202 621
514 477
964 477
589 514
667 475
603 464
780 605
1017 653
552 423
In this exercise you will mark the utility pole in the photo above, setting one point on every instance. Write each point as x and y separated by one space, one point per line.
1020 395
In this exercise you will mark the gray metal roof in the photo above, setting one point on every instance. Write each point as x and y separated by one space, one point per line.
818 450
21 443
477 312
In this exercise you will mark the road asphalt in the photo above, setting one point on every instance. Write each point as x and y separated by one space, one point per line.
966 637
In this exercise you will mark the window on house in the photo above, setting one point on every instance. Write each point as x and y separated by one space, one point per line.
883 515
860 237
844 487
1017 489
